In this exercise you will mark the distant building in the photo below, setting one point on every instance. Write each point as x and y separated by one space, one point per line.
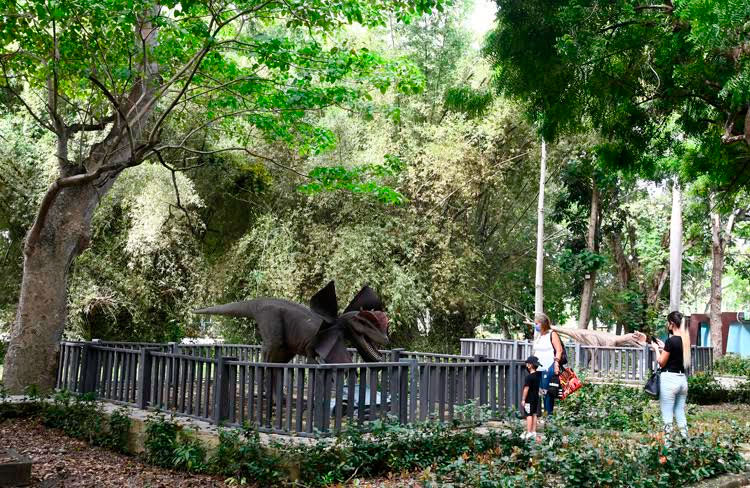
735 331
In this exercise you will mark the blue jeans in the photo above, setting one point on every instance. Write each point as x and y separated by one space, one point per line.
673 390
549 401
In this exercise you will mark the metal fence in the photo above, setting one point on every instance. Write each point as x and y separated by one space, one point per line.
227 384
620 363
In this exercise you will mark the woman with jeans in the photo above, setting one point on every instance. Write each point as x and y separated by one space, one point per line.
674 360
548 348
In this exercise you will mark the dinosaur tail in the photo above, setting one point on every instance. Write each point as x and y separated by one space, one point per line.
234 309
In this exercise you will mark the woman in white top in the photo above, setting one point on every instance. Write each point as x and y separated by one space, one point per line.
548 348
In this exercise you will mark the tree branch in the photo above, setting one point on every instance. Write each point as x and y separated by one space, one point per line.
664 8
54 190
91 127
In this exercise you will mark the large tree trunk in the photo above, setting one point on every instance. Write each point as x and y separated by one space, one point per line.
587 295
717 270
32 354
623 276
61 230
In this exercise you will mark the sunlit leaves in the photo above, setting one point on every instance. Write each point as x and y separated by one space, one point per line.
357 180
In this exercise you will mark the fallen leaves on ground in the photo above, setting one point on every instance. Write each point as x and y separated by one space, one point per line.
61 461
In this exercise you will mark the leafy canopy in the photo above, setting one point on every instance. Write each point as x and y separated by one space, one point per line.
250 70
648 77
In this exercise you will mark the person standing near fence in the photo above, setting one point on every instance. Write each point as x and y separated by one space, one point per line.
548 348
674 360
530 396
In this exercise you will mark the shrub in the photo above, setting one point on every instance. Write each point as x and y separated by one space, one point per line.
732 364
610 407
81 417
189 453
241 456
390 447
703 389
161 440
593 461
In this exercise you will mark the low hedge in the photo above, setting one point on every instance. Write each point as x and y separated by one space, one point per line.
608 407
732 365
588 460
704 389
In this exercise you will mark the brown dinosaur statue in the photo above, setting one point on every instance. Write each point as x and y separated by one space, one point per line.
288 329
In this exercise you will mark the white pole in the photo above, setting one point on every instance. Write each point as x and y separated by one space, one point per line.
675 249
538 287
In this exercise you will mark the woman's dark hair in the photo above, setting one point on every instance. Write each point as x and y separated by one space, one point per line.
675 318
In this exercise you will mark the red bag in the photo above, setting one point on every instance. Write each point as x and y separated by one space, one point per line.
569 382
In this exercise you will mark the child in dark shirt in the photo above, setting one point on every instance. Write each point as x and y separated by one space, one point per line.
530 396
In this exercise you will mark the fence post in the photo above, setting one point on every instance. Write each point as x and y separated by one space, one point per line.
480 379
90 367
319 397
221 387
144 378
577 361
396 354
403 390
413 382
514 354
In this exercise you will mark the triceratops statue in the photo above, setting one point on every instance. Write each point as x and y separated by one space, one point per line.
318 332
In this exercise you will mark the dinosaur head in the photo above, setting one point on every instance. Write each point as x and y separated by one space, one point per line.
363 323
367 330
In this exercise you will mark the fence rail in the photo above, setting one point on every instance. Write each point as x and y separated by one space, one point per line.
228 384
621 363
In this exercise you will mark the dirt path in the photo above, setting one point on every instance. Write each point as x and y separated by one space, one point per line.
61 461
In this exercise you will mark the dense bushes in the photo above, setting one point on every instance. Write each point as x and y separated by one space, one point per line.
77 416
703 389
733 365
611 407
588 460
387 448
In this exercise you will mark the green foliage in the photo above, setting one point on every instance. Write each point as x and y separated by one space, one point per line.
189 453
161 440
678 71
241 457
732 364
608 407
593 461
467 100
356 179
81 417
704 389
3 350
393 448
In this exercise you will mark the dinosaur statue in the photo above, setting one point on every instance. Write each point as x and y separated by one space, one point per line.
318 332
603 339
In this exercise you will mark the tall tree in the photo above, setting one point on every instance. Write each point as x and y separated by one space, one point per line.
589 279
128 82
722 227
638 72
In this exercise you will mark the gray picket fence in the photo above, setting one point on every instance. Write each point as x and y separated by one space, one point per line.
227 384
612 363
